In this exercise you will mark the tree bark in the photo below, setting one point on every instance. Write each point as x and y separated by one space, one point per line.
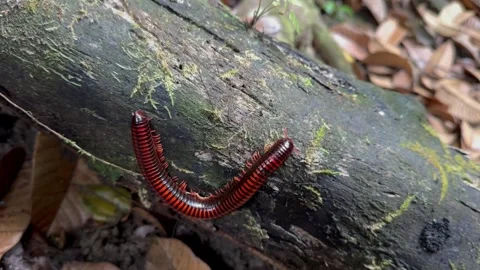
371 187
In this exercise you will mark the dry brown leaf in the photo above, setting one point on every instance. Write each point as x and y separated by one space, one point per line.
460 104
87 198
470 136
390 32
390 60
15 213
465 42
378 8
402 82
473 5
440 110
435 24
382 81
428 82
473 71
72 214
10 164
375 46
54 166
441 61
140 214
422 91
445 134
359 71
172 254
349 45
89 266
401 16
419 54
380 70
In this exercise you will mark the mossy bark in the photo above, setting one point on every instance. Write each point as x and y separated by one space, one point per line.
369 177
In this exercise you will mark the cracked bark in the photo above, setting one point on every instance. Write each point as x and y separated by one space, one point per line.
221 92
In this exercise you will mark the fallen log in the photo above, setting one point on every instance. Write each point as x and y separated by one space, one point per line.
371 188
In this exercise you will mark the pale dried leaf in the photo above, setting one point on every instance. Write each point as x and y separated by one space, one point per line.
72 214
390 60
428 82
460 104
380 70
441 61
382 81
465 42
450 14
470 136
422 91
172 254
473 71
375 46
54 166
445 134
16 212
419 54
349 45
390 32
378 8
435 24
402 82
89 266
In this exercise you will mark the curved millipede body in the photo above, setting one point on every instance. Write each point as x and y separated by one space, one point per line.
149 153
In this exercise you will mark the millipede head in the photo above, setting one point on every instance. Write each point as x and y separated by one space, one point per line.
139 117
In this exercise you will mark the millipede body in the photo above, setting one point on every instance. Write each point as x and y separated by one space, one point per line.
149 153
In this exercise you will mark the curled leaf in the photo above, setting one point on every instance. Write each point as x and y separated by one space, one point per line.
10 165
171 253
16 212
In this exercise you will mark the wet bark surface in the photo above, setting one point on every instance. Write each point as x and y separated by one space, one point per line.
371 187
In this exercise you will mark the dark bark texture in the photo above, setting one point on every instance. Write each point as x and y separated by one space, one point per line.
372 188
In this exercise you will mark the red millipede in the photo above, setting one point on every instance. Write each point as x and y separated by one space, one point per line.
149 153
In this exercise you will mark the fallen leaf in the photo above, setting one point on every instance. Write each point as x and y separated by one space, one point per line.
390 32
465 42
419 54
375 46
10 164
428 82
141 215
460 105
390 60
422 91
16 212
450 13
88 198
441 61
348 45
439 109
402 82
435 24
470 136
54 166
380 70
89 266
446 135
172 254
473 5
382 81
474 72
378 8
